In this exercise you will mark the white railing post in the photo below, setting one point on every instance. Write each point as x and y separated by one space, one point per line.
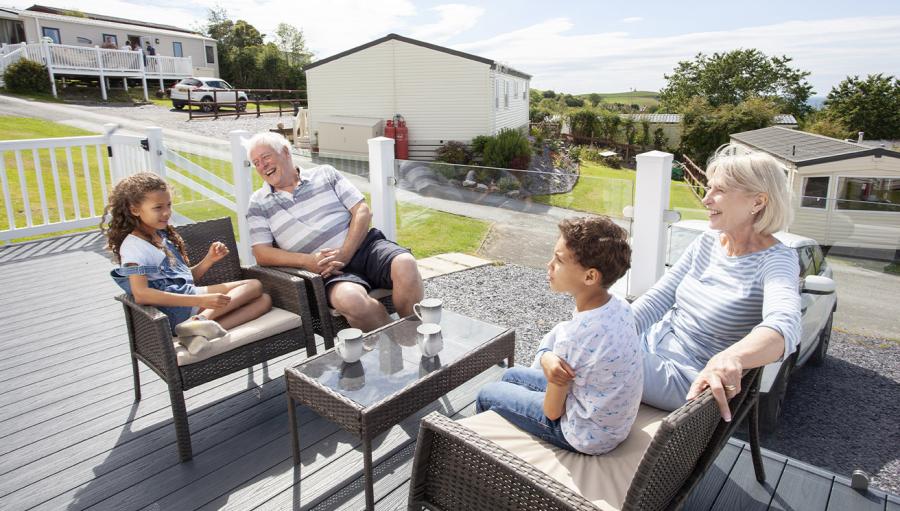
243 186
143 73
381 179
157 151
115 165
100 70
45 49
648 228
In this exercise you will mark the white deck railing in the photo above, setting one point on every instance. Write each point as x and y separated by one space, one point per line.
169 66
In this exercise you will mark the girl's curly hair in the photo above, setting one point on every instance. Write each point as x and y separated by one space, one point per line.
118 222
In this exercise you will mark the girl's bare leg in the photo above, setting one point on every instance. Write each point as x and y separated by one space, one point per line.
250 311
241 292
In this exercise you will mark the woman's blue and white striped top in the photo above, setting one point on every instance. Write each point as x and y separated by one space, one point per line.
710 300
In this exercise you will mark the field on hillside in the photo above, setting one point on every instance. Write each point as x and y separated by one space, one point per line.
643 98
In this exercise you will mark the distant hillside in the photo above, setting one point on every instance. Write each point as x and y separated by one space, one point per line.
816 102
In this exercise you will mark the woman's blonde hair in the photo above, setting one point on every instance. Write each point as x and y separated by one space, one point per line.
755 172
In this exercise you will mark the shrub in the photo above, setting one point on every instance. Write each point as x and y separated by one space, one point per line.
479 143
451 171
613 162
27 76
510 147
677 173
454 152
508 184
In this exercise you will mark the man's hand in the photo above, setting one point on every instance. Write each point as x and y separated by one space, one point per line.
556 370
213 300
328 262
722 375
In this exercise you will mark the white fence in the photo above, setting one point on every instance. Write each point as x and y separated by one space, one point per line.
62 59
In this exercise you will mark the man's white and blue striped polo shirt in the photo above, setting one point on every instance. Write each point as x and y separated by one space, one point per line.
315 216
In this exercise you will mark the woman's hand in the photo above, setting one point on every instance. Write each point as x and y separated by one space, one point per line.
556 370
217 251
722 375
213 300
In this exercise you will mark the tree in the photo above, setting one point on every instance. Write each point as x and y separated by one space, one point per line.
646 139
584 123
733 77
630 129
871 105
704 128
290 40
609 125
595 98
573 101
823 123
534 96
549 93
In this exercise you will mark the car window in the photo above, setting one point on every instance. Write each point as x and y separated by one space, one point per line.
218 84
806 262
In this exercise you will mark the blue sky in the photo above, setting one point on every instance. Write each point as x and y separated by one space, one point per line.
577 46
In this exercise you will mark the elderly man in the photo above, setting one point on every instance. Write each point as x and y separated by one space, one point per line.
320 223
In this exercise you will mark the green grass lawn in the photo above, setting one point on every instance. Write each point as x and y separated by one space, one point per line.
606 191
425 231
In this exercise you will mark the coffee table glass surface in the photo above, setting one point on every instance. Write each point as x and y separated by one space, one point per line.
391 359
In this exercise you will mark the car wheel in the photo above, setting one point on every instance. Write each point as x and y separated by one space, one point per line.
178 105
242 106
818 356
206 104
771 404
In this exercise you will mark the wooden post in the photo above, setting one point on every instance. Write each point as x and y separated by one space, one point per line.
382 181
648 229
243 186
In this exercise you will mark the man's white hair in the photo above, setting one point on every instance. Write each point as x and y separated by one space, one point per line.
273 141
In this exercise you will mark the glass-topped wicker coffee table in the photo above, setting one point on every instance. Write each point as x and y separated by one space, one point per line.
392 380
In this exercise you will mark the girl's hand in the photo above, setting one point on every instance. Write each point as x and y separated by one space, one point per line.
722 375
217 251
214 300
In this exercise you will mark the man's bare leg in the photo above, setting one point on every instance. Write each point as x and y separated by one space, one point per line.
361 310
408 287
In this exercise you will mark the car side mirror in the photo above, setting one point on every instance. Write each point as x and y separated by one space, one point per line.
817 285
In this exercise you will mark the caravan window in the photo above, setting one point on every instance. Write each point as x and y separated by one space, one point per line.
177 50
815 191
52 33
869 194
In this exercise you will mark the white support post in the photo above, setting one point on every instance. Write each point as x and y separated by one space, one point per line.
102 76
243 186
162 86
157 151
648 228
382 180
115 167
48 60
143 73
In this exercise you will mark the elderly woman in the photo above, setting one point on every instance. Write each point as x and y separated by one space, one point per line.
731 302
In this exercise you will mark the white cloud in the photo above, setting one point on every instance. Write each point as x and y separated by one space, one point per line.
454 19
633 19
616 61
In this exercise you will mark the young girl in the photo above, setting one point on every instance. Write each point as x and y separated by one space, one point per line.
154 266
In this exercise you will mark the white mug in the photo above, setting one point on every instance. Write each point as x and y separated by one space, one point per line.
429 339
349 344
429 310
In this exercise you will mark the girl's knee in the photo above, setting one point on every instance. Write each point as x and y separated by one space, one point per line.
254 287
265 301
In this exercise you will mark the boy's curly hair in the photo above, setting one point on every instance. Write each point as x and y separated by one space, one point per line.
597 242
118 222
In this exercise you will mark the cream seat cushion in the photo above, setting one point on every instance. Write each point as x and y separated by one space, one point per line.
273 322
603 479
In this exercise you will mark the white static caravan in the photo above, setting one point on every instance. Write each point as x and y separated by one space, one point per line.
845 194
443 94
89 30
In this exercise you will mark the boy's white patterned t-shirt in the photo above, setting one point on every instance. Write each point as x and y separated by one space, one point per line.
603 348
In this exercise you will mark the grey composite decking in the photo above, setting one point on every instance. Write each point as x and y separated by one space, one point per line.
72 437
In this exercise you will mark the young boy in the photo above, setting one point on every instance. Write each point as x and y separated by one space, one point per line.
583 390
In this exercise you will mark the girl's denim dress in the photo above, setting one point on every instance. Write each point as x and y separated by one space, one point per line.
177 278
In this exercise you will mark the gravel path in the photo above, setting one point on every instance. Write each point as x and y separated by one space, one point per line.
840 417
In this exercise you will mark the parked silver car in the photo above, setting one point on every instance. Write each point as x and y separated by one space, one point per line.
818 301
207 92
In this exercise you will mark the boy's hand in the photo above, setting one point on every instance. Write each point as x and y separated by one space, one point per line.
214 300
556 370
217 251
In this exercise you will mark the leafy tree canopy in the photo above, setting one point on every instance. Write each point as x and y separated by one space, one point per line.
871 105
705 127
736 76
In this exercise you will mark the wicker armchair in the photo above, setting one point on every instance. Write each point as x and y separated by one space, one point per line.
151 339
456 468
325 320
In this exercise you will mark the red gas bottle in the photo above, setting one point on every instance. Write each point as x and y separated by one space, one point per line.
389 130
402 141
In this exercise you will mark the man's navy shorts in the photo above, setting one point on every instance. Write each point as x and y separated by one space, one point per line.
370 266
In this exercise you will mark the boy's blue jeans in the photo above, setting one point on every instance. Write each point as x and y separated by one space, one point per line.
519 398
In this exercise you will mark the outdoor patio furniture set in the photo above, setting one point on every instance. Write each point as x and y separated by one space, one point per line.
467 464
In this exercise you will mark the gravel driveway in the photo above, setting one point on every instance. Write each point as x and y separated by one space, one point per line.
840 417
